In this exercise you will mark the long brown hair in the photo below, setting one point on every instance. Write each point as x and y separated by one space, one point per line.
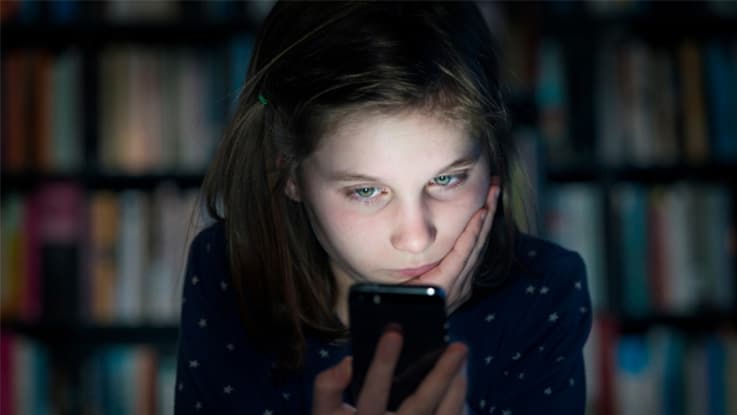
314 64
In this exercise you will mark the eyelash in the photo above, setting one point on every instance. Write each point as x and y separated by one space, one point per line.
457 180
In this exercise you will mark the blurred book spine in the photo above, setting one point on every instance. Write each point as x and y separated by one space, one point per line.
675 249
99 257
655 105
574 219
127 380
25 380
661 372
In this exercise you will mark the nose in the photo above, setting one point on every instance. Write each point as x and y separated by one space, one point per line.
415 230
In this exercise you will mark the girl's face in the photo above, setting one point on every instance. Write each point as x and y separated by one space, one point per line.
387 196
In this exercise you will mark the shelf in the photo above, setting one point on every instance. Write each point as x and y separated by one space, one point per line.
90 180
705 322
90 334
651 175
87 34
653 20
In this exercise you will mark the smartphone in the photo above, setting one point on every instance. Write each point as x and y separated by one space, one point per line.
418 311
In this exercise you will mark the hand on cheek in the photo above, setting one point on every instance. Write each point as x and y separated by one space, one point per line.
454 273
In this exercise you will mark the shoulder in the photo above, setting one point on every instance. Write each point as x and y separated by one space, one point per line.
207 251
540 258
546 290
550 277
211 238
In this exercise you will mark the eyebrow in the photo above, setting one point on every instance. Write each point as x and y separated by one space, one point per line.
347 176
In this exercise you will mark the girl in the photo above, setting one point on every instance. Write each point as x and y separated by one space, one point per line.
368 145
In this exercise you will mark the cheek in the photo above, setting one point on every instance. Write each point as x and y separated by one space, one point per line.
344 227
453 216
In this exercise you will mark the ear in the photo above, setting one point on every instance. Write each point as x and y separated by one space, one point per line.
292 190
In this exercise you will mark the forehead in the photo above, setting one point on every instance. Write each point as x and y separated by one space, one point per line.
380 140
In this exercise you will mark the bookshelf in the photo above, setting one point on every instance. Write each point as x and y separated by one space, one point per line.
552 52
625 122
90 313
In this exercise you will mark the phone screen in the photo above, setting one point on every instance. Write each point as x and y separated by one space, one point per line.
419 311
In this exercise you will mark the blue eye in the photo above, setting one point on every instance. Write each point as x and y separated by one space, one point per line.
450 180
443 180
365 192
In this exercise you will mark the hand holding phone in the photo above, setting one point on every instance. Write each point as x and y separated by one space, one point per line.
442 392
414 311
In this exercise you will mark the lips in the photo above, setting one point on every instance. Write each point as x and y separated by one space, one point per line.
414 272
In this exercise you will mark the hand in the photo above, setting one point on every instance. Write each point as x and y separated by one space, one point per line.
442 392
455 272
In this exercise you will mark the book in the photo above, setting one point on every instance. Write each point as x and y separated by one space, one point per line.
630 206
692 103
721 87
104 211
61 221
574 220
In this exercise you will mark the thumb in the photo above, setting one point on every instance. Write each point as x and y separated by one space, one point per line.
329 387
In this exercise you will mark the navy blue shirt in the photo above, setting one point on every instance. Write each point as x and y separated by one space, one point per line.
525 341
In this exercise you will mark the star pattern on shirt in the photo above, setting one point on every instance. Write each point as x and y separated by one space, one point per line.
537 287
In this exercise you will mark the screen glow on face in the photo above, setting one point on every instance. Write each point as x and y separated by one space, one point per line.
389 193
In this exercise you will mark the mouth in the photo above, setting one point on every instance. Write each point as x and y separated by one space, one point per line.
416 272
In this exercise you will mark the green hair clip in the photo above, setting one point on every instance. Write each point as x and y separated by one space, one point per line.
262 100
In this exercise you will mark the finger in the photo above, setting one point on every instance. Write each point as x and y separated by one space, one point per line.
453 263
486 225
435 385
454 399
374 393
329 387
